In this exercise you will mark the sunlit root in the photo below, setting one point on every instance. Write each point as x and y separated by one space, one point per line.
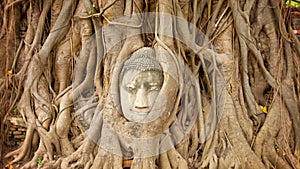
82 157
107 160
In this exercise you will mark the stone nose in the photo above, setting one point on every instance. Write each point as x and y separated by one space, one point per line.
141 101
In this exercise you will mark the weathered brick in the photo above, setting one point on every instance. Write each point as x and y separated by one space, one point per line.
17 133
19 136
13 128
21 129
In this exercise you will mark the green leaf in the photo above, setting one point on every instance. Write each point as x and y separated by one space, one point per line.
293 3
276 148
15 110
39 161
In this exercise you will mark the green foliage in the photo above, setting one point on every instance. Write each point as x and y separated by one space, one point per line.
276 148
39 162
15 111
293 3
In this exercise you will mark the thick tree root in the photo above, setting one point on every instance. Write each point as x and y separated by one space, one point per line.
83 157
41 153
24 151
107 160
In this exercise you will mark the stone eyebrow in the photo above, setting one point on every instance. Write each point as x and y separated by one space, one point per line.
153 83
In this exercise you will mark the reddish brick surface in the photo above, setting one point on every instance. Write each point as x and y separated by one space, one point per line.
16 135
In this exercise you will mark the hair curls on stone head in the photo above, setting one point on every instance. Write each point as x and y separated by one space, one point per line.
141 60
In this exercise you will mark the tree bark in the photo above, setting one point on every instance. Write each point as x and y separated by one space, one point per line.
230 91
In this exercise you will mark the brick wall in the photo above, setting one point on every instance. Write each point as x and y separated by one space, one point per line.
16 133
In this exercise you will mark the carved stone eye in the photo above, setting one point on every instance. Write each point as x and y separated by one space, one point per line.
154 87
131 88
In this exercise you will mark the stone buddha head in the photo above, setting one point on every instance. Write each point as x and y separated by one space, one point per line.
141 79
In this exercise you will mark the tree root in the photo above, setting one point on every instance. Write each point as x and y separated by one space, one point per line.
144 163
291 104
24 151
62 125
40 153
271 155
107 160
52 164
209 157
176 160
82 157
63 65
